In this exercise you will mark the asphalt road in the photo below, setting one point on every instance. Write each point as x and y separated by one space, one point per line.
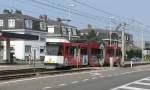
104 79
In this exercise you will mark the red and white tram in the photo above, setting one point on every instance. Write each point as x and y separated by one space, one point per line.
73 54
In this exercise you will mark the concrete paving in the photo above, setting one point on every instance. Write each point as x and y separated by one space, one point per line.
103 79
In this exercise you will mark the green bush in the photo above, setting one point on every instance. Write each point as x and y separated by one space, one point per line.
134 53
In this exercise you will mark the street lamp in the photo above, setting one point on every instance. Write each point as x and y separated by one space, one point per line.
123 42
69 17
142 42
110 29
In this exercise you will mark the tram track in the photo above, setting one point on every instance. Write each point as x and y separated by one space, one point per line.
24 73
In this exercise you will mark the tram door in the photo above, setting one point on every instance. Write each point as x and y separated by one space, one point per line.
84 56
72 55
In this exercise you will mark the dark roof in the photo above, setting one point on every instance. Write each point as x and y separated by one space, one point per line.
15 36
18 16
103 31
54 22
95 29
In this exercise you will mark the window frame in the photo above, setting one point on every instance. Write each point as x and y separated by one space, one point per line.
28 24
43 26
11 23
1 23
26 51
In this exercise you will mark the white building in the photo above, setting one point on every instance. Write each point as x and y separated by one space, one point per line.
23 24
60 32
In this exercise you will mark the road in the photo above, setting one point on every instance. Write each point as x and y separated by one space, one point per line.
137 78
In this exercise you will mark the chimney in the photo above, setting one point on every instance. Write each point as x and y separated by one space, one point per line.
43 17
19 12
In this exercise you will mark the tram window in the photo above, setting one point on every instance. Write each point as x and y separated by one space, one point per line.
84 51
96 52
110 52
119 53
71 50
60 51
55 50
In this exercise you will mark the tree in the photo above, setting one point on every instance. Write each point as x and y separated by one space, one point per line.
134 53
6 11
91 35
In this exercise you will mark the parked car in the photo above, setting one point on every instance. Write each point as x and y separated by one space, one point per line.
135 59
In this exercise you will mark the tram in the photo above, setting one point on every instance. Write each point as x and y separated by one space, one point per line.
76 54
73 54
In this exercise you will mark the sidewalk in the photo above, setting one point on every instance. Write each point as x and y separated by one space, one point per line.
19 67
136 63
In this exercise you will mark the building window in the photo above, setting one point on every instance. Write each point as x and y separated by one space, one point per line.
74 31
43 25
69 31
1 23
42 39
28 24
11 23
27 49
26 58
57 30
64 31
42 58
42 49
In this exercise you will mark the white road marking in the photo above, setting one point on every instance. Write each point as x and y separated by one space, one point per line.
115 74
43 77
85 80
126 86
94 78
74 82
141 83
140 70
131 88
102 76
46 88
125 73
95 74
51 76
110 75
147 79
60 85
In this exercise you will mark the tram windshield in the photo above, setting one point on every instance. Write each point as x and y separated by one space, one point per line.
55 50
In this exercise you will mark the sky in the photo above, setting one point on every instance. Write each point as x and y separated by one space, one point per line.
134 9
81 15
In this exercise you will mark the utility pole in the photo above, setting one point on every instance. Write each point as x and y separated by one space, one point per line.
142 45
69 17
123 44
110 31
